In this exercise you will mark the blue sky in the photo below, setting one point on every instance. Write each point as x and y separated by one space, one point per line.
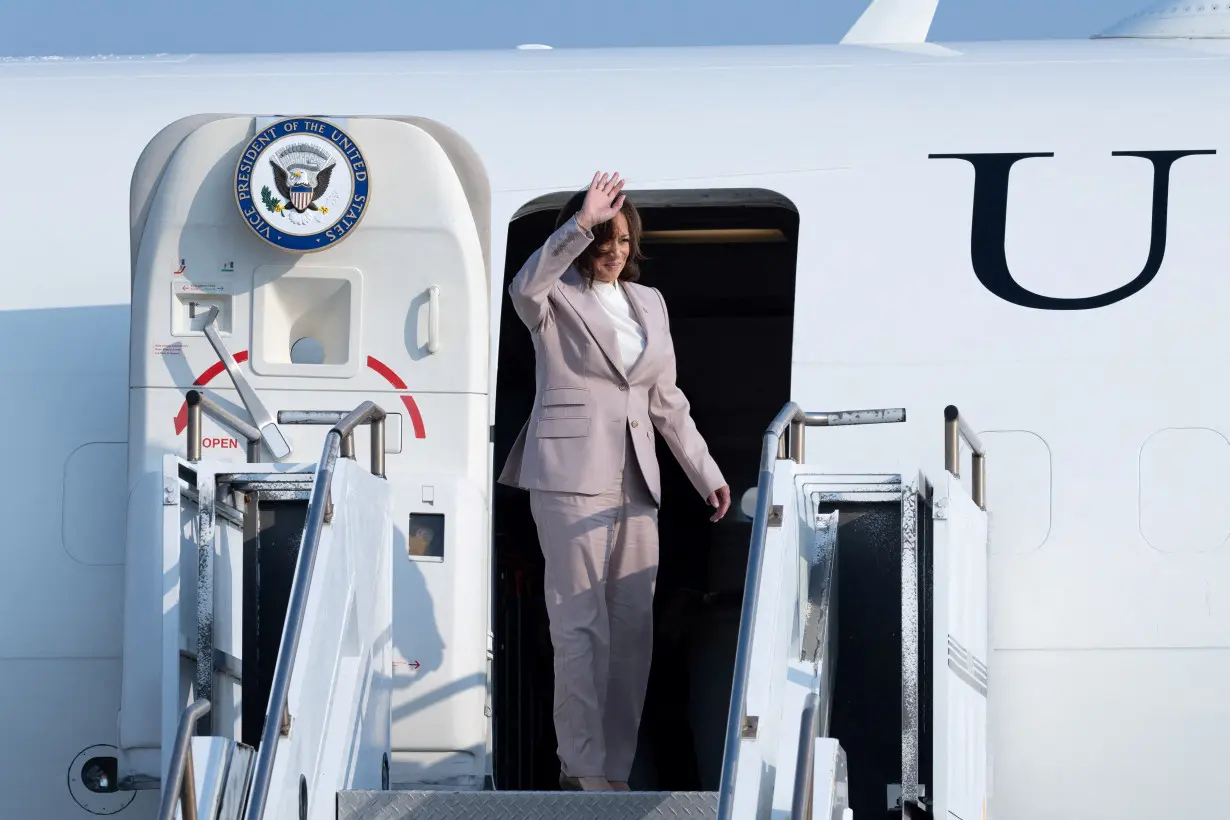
86 27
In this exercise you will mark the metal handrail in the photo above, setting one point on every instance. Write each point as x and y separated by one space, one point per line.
792 446
792 418
322 417
955 429
805 765
198 401
275 713
181 785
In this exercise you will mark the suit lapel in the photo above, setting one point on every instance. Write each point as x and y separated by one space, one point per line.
642 316
585 302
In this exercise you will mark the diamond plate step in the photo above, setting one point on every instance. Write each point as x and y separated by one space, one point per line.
439 805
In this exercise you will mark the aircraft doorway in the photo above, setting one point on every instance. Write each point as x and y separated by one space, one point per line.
725 262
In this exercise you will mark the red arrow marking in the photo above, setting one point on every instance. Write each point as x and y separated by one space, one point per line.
181 419
416 418
216 368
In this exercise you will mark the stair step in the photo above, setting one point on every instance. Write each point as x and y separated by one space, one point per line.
475 805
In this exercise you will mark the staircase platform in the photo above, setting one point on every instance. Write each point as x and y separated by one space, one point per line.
489 805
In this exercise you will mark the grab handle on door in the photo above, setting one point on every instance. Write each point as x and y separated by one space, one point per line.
433 319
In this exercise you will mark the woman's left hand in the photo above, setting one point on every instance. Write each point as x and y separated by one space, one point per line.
720 498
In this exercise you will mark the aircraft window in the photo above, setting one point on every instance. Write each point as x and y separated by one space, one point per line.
307 351
1020 494
425 537
93 521
1181 478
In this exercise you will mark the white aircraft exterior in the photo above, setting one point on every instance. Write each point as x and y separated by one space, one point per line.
1032 231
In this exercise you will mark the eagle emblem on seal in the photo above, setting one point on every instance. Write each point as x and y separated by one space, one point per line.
301 173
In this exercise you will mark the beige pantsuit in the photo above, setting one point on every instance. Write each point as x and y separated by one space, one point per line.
587 456
602 559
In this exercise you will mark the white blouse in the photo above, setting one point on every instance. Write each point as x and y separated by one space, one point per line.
629 331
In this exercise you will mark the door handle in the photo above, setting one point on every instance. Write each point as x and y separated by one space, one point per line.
433 319
271 434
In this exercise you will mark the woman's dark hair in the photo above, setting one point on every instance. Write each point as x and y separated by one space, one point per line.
603 234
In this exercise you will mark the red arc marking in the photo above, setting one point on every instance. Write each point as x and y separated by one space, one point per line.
181 418
386 371
416 418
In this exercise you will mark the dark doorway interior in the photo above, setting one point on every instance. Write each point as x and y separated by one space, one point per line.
725 262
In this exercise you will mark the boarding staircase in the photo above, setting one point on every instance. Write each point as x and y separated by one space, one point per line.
300 727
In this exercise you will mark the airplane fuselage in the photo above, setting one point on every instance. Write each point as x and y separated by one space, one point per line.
1032 231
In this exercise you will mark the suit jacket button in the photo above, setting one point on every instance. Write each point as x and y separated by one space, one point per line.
623 387
634 423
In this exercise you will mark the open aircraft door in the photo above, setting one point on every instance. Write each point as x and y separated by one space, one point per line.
961 760
286 270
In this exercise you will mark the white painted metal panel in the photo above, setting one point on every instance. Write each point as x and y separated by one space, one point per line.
830 782
340 682
960 760
775 630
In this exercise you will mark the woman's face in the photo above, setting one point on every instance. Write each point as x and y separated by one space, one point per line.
611 255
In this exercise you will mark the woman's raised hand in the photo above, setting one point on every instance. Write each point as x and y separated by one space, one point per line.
602 201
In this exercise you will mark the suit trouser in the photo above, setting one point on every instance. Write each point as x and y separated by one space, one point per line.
601 565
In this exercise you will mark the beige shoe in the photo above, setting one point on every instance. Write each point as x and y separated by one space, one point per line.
583 784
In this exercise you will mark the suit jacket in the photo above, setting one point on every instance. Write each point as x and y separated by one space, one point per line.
585 404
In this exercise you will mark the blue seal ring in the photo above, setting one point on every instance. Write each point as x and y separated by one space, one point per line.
251 207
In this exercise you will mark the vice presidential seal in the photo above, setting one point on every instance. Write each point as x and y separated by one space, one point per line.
301 184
